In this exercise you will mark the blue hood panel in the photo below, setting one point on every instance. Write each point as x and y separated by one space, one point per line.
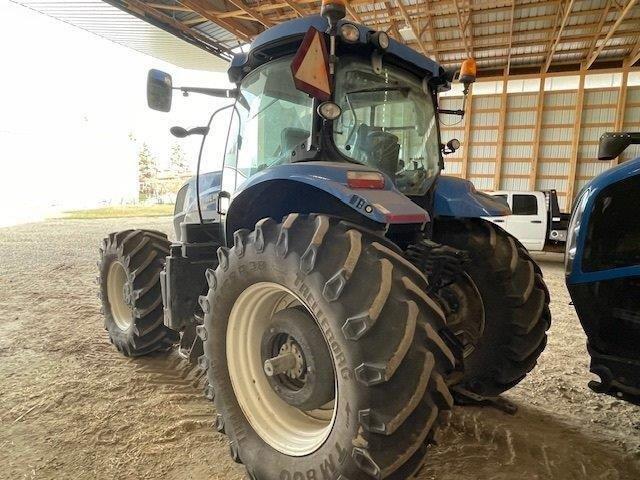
455 197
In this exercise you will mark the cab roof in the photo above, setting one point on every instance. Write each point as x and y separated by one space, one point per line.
285 38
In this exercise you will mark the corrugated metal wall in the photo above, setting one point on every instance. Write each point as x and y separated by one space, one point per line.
548 146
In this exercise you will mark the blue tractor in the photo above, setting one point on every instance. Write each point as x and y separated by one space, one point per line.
603 269
346 288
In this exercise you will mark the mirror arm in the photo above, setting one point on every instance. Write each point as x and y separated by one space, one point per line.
447 111
212 92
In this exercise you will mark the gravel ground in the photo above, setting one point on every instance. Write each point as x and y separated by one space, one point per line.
71 407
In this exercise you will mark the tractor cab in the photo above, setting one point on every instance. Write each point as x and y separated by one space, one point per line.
319 90
372 110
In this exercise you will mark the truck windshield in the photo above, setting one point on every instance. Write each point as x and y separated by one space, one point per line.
388 122
274 117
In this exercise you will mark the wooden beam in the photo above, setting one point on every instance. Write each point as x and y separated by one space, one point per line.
504 100
229 25
432 32
634 56
612 30
146 10
292 5
392 25
575 144
409 22
251 12
513 14
556 40
467 134
621 107
353 13
598 29
463 24
535 151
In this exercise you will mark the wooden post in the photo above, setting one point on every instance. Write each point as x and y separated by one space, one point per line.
467 134
535 151
575 146
622 106
504 100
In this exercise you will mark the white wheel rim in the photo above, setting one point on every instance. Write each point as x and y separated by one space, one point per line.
121 312
287 429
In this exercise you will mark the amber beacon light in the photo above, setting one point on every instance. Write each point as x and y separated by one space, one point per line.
468 73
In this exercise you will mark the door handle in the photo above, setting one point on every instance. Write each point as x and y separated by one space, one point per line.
499 221
536 221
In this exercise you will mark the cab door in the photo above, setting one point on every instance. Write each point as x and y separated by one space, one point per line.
528 221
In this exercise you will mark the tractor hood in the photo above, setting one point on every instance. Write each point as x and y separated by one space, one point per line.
285 38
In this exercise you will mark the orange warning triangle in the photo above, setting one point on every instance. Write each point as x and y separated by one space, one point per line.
310 66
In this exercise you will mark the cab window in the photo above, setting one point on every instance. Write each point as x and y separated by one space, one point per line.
524 205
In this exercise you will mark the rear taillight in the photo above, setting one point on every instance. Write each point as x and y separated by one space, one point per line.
370 180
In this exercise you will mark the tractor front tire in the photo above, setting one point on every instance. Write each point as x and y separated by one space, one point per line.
130 265
376 327
513 296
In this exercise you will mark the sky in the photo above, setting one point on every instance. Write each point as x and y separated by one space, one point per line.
69 103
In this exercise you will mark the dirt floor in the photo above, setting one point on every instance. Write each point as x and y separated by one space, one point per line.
72 407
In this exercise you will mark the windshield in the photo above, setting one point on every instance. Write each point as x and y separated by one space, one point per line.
274 117
388 122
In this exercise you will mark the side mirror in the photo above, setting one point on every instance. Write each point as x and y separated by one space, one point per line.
159 90
612 144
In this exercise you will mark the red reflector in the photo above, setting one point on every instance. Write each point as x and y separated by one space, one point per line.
371 180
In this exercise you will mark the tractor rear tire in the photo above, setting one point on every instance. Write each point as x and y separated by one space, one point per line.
130 265
515 300
381 335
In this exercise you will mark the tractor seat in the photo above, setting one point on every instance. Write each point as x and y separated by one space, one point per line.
378 149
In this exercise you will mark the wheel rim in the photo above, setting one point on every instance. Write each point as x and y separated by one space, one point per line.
117 283
465 312
286 428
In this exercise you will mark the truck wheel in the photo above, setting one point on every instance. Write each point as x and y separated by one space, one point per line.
323 353
130 265
499 309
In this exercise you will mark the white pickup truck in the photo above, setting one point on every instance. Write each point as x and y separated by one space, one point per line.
535 220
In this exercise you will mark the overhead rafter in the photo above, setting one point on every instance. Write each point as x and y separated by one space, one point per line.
411 25
465 25
564 10
634 56
145 10
228 24
513 15
598 28
294 7
612 30
392 25
355 15
251 12
432 31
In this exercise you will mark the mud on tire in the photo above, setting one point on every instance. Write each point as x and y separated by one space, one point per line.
135 324
516 304
380 327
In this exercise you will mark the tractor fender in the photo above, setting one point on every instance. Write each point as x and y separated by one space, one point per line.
319 187
455 197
